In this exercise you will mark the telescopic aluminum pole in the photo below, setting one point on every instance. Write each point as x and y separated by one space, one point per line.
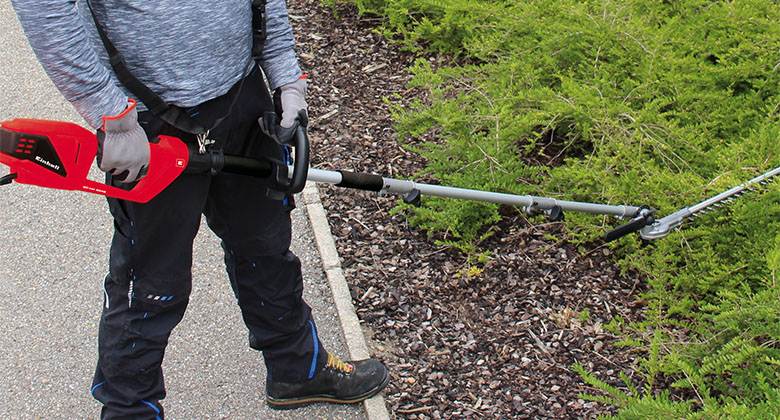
411 191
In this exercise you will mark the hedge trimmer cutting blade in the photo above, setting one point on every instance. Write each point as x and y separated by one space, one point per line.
662 227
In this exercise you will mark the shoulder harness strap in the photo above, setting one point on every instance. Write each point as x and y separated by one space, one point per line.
171 114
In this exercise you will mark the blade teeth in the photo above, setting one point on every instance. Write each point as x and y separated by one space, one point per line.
754 187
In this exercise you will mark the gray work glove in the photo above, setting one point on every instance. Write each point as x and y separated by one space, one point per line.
123 148
290 99
293 97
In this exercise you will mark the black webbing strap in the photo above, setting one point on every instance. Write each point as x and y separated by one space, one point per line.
258 28
172 115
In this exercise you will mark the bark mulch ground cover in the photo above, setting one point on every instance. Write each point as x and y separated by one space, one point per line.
492 341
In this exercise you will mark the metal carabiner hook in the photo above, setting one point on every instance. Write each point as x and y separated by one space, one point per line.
203 141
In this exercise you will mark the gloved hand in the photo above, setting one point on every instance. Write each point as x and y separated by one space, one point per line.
123 148
291 98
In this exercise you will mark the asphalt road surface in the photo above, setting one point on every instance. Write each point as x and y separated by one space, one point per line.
53 258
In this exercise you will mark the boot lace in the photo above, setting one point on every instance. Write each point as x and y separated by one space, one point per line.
339 365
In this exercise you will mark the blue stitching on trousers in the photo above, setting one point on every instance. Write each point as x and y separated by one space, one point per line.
95 387
316 344
153 407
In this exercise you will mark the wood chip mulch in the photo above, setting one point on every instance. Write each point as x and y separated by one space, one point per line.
495 341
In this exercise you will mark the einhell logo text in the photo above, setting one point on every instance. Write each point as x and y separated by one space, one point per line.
47 163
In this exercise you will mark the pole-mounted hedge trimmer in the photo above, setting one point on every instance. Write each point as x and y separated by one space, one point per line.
59 155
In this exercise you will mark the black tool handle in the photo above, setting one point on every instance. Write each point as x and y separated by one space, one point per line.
301 164
214 161
287 183
247 166
636 224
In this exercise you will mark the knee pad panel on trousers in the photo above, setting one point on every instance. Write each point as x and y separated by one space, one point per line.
134 329
160 296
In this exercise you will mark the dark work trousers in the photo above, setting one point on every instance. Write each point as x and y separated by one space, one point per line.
150 279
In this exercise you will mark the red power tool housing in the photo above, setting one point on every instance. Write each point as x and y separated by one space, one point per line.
59 155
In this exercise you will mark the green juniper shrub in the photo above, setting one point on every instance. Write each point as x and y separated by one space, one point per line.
635 102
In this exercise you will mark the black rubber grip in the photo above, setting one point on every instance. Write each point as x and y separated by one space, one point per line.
636 224
214 162
365 182
247 166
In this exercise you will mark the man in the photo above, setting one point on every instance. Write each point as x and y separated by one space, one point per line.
197 58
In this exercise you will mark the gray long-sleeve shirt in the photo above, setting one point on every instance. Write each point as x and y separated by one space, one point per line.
185 51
